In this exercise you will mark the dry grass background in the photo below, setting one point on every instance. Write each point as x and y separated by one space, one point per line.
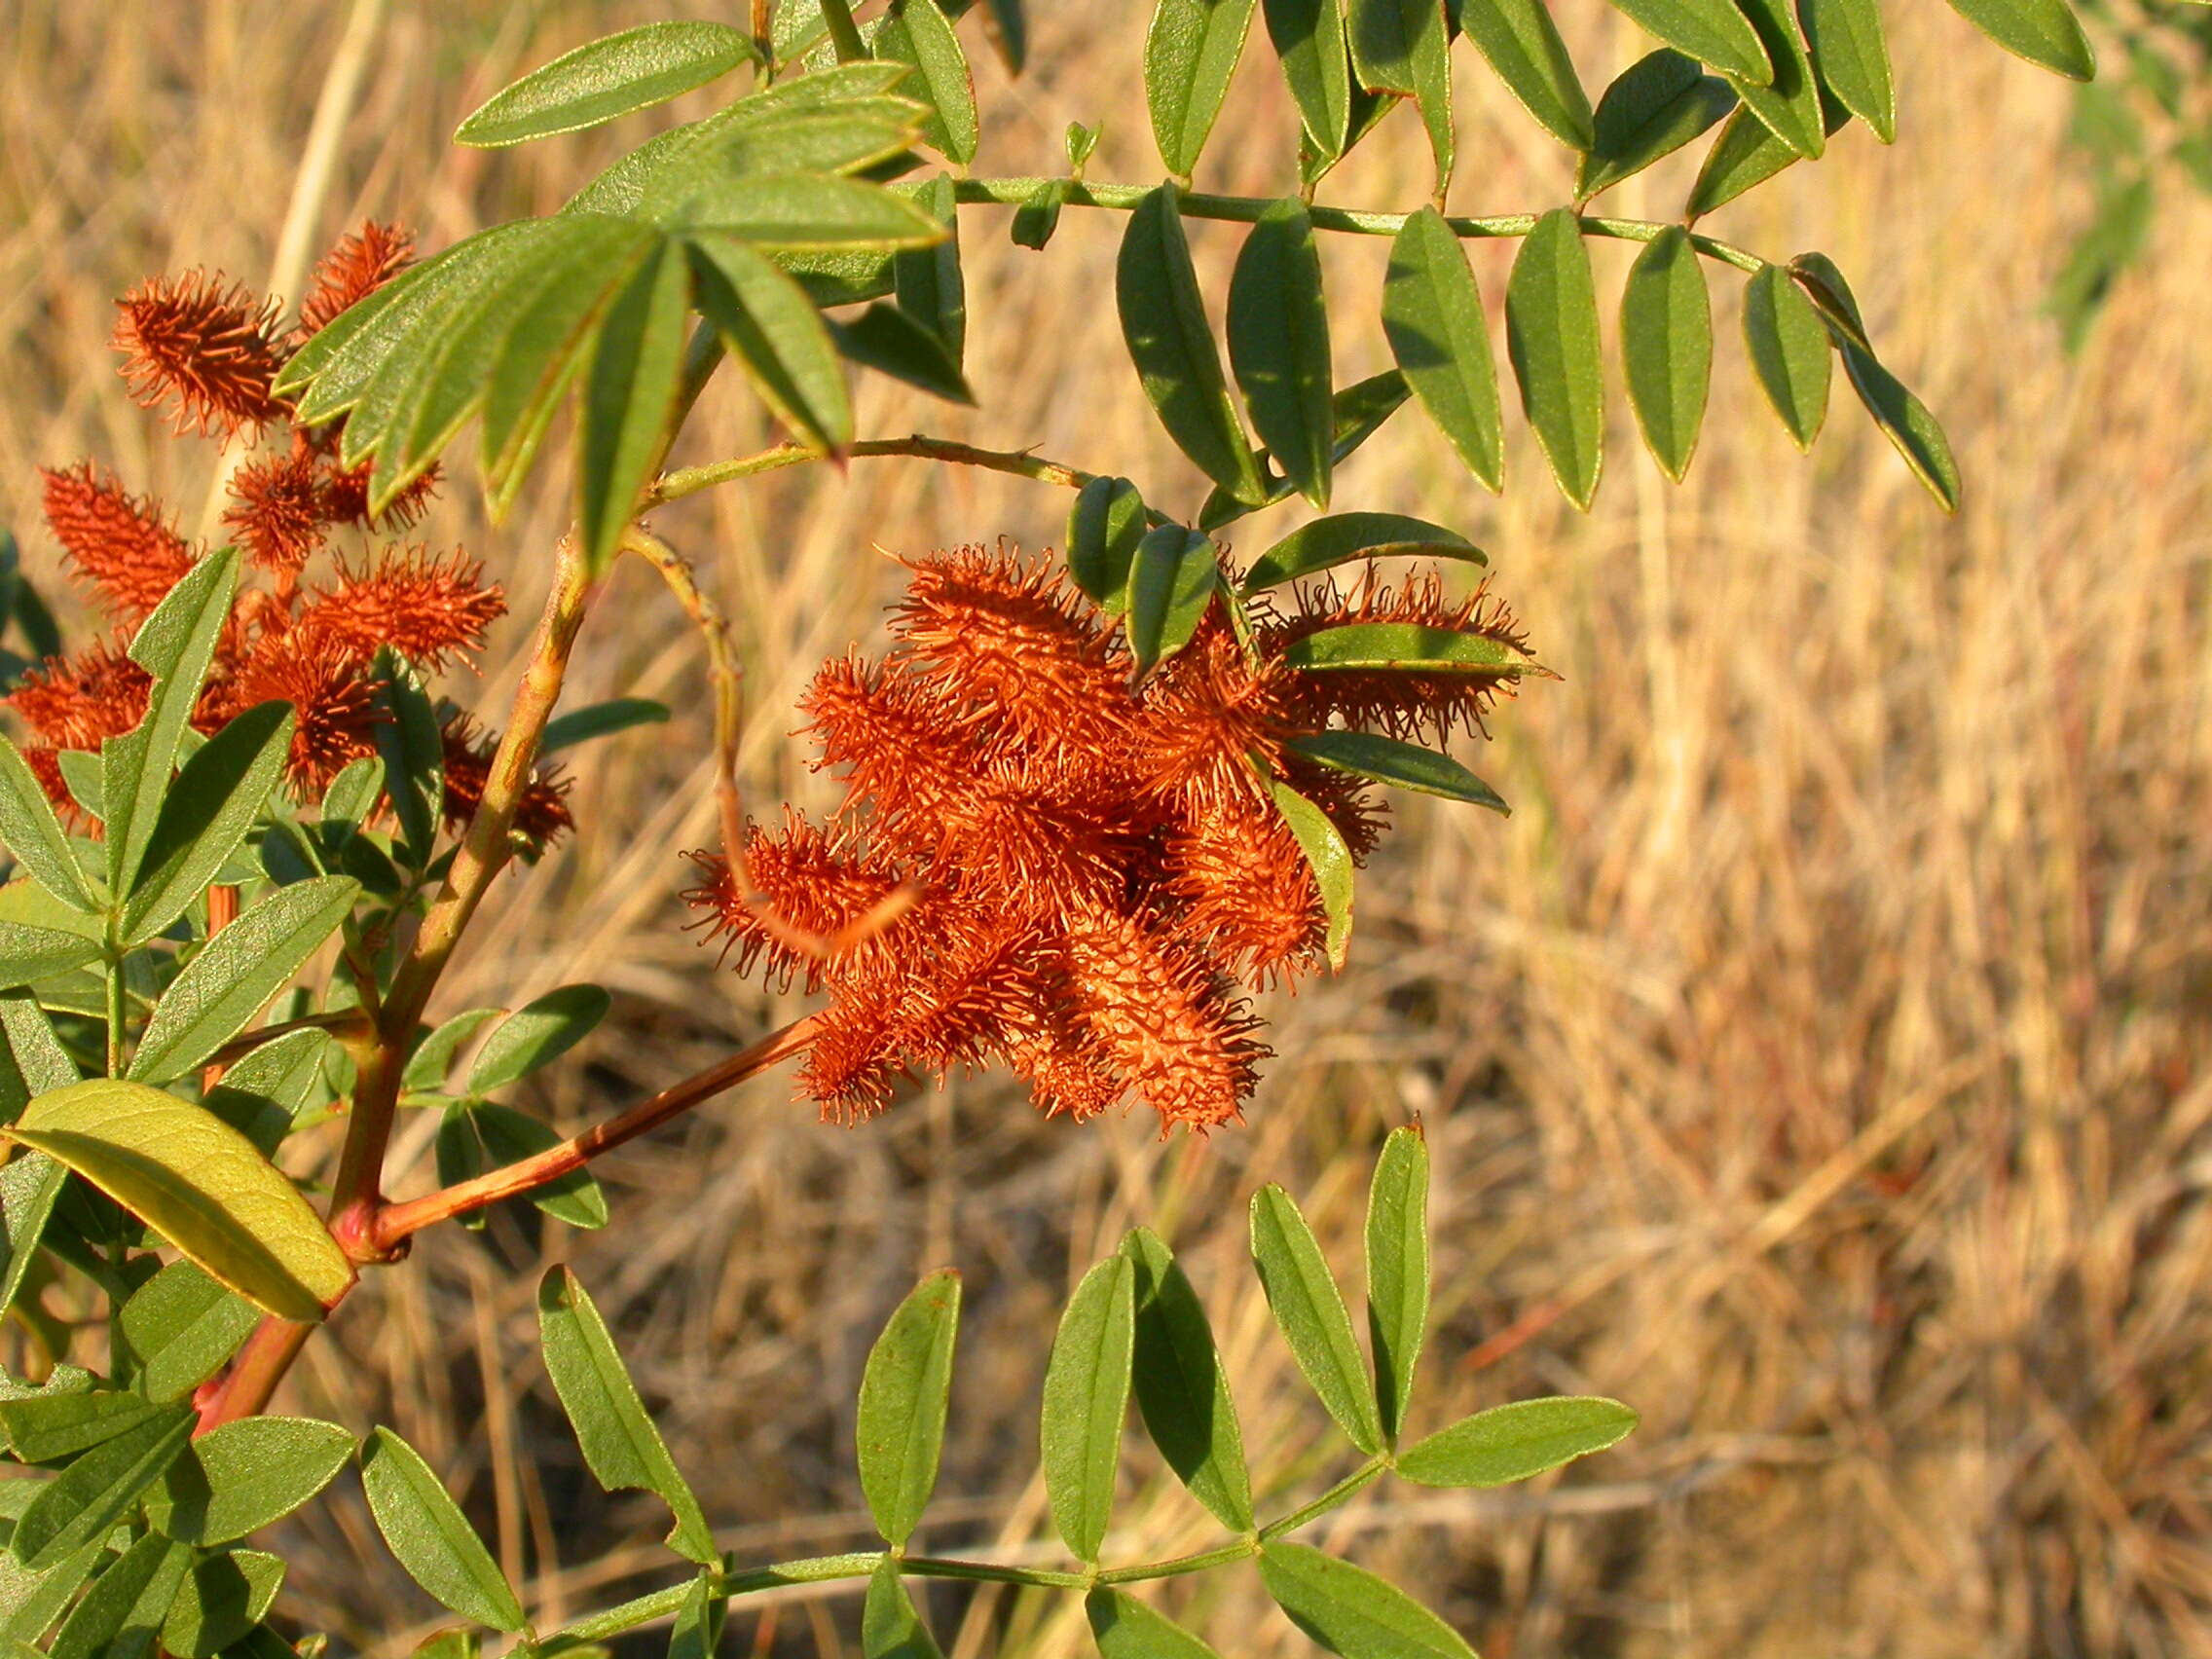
1817 1058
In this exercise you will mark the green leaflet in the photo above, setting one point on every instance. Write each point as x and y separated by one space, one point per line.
1521 43
619 1442
900 1422
1790 103
1180 1390
1667 347
1432 315
890 1627
237 972
1308 38
34 835
1358 410
1551 323
509 1136
1853 59
1087 1395
1334 869
1515 1442
1172 578
536 1034
600 719
1164 323
1278 347
1104 526
1902 416
200 1184
1659 103
28 954
1397 1272
1713 31
87 1497
917 32
777 337
1404 764
29 1187
1341 538
224 1596
928 281
2045 32
629 399
179 1328
1310 1312
1353 1612
428 1535
1124 1628
240 1477
891 342
1788 347
213 802
121 1616
1190 53
1747 154
612 76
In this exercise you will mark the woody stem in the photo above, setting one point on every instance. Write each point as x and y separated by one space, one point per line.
396 1223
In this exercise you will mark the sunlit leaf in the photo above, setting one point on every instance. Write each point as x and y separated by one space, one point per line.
1788 347
605 78
1853 59
1278 347
1180 1390
629 399
777 337
1397 1272
1190 54
1659 103
1747 154
1432 315
1352 1612
1308 37
1172 577
917 32
428 1535
97 1489
1521 42
179 1328
900 1422
1087 1395
1667 346
34 835
1515 1442
1713 31
1310 1312
1790 102
536 1034
890 1627
1124 1628
2045 32
1341 538
243 1476
1334 868
1551 324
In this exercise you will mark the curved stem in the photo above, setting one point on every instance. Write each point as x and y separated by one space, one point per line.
1022 463
1362 1476
1246 210
394 1224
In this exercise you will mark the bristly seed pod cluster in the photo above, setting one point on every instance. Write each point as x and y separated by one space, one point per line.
213 351
1102 872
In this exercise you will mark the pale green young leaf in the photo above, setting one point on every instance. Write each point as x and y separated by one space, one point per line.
619 1442
1173 576
1713 31
237 972
1190 54
1352 1612
1182 1392
890 1627
1308 38
34 836
2045 32
1432 315
612 76
1087 1396
1521 43
121 1615
1790 102
1164 323
243 1476
1406 766
1551 328
1124 1628
97 1489
1327 542
204 819
1278 347
509 1136
175 646
1852 58
428 1535
1104 526
777 337
1310 1312
224 1596
1515 1442
49 1428
200 1184
1667 346
899 1422
1659 103
629 399
1397 1272
917 32
1334 868
1788 347
538 1034
179 1328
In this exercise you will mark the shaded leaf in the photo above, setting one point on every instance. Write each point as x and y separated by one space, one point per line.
1520 41
1180 1390
28 954
1404 764
607 78
1334 868
1713 31
778 339
890 1627
1667 347
428 1535
1308 38
1397 1272
1310 1312
1124 1628
1104 526
1353 1612
87 1497
886 338
34 835
1551 325
1659 103
917 32
121 1616
1359 410
1790 103
1747 154
1087 1395
538 1034
179 1328
1432 314
1190 54
1172 577
29 1187
600 719
1341 538
928 280
1788 348
49 1427
240 1477
629 399
210 807
1853 59
509 1136
899 1422
223 1596
1517 1441
1278 347
200 1184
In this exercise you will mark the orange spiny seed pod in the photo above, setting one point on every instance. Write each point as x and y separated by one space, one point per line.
212 349
1246 889
1157 1014
425 607
542 814
1397 704
279 516
820 881
1015 640
334 707
80 701
345 497
360 262
1207 713
1062 1074
116 542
